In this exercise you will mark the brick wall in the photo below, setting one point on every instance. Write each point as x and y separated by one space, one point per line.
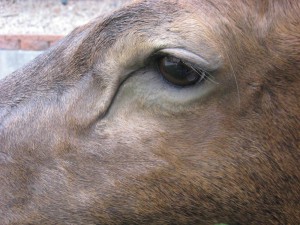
28 42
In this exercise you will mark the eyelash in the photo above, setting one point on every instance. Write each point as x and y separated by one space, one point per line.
203 75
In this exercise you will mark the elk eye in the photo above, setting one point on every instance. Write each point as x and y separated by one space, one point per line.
178 72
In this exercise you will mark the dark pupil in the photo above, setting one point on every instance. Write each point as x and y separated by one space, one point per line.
176 72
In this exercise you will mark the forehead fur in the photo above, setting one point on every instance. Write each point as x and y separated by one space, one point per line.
221 18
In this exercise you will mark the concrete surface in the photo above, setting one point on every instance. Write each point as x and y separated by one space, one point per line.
13 60
50 16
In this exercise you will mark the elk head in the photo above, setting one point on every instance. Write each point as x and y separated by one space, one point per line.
165 112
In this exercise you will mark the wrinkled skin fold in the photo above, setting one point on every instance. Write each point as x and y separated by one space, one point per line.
90 132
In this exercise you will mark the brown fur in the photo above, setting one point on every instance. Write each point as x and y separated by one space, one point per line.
90 133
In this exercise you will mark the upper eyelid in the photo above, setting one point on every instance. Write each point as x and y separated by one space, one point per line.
155 57
189 57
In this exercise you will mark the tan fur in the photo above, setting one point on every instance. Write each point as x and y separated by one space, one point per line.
91 134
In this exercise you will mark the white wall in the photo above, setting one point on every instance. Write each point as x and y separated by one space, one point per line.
13 60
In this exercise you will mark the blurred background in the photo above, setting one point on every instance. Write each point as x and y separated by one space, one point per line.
28 27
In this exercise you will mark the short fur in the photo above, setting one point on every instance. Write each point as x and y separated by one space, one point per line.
91 134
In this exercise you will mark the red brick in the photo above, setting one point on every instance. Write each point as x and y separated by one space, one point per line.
51 43
33 44
28 42
51 38
7 42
